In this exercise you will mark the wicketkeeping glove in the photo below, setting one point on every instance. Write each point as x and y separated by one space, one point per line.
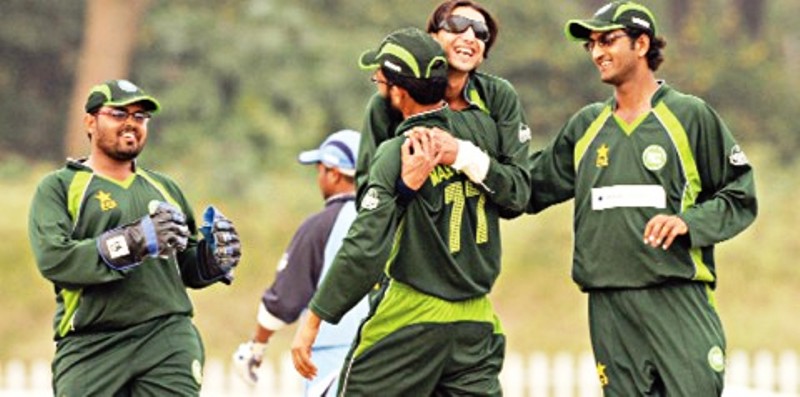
220 249
247 358
162 233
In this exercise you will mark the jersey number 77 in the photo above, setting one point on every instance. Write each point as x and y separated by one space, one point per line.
456 195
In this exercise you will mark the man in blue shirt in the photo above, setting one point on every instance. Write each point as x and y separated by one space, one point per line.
305 263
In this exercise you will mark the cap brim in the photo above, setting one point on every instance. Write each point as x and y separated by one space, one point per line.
346 172
368 60
309 157
581 29
150 103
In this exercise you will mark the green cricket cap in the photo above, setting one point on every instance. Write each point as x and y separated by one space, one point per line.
612 16
119 93
409 52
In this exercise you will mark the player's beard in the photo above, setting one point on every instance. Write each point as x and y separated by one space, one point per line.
394 113
112 143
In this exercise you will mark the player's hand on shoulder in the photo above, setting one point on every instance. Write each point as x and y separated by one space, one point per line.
418 159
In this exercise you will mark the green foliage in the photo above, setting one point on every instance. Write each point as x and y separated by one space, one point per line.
39 42
259 80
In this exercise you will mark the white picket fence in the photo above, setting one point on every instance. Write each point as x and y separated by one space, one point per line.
757 374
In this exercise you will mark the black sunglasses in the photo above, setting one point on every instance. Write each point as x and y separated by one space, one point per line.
605 40
459 24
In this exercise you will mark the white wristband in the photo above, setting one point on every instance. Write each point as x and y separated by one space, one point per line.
472 161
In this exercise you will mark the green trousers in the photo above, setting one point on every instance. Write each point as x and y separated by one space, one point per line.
162 357
414 344
666 341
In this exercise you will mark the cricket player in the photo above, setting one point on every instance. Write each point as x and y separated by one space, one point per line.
119 243
428 259
304 265
658 180
467 31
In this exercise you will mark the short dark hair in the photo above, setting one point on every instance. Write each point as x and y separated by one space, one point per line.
446 8
424 91
655 55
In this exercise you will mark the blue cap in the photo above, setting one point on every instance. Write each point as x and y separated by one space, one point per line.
339 150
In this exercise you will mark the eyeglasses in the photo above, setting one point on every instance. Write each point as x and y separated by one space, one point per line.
604 40
459 24
375 80
120 115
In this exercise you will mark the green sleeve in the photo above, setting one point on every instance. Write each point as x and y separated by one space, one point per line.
361 260
552 168
379 125
507 177
66 262
727 202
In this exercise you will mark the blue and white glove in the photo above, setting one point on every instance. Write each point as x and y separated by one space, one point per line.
220 249
160 234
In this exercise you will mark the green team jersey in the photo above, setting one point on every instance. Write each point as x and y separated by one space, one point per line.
679 158
70 209
493 95
444 242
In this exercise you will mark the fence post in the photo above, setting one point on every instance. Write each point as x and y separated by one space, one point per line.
538 375
15 375
563 375
41 377
737 369
764 371
214 378
588 383
512 377
788 372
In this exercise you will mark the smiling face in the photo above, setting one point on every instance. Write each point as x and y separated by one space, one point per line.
116 139
464 51
615 55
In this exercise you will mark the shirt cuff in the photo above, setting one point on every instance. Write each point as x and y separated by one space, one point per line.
267 320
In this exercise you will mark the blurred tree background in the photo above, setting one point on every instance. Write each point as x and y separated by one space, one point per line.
246 84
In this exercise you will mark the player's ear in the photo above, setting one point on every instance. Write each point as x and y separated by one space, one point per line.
396 95
335 174
90 122
642 45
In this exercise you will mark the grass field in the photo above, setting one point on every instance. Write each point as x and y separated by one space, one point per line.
540 306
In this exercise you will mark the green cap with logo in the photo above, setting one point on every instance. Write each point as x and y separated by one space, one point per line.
119 93
612 16
409 52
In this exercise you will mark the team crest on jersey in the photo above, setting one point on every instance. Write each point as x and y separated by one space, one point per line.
370 200
197 372
737 156
716 359
524 133
106 202
602 156
654 157
601 374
